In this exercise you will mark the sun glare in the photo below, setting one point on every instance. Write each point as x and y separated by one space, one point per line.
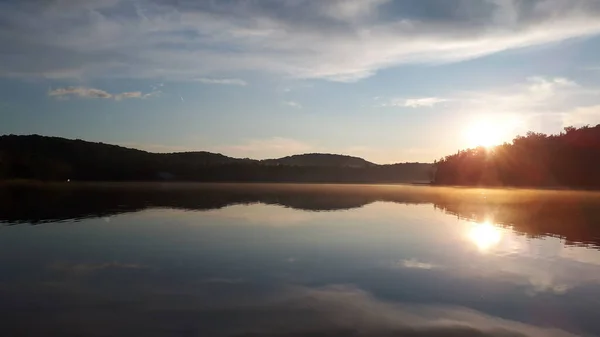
485 133
485 235
493 129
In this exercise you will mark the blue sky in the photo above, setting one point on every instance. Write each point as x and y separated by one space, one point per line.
390 81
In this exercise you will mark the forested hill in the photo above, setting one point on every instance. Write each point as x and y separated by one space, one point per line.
320 159
52 158
569 159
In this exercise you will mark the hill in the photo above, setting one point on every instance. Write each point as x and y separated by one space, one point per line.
320 159
52 158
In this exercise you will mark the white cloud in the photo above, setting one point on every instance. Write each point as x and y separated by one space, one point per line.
223 81
545 87
336 40
79 92
423 102
351 9
580 116
293 104
84 92
553 276
538 103
536 95
414 264
338 310
544 99
133 94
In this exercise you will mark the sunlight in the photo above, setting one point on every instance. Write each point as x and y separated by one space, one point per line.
485 133
493 129
485 235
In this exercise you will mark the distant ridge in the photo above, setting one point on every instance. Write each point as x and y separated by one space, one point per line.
54 158
321 159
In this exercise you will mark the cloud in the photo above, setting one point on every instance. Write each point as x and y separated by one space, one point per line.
83 92
538 103
133 94
557 277
544 86
580 116
348 311
335 40
425 102
351 10
414 264
533 96
223 81
79 92
338 310
293 104
251 311
555 102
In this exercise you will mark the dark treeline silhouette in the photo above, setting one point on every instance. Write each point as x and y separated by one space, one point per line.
566 214
569 159
58 159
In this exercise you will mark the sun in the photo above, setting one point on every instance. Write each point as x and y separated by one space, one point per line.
485 133
489 130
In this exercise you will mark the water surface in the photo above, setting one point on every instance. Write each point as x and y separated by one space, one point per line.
297 260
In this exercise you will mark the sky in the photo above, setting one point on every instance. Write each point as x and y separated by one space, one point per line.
386 80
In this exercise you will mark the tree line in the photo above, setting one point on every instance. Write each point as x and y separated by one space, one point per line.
568 159
58 159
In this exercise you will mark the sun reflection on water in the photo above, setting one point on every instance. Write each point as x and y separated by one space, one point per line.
485 235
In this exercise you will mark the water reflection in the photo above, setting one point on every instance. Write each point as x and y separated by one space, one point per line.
485 235
569 215
276 260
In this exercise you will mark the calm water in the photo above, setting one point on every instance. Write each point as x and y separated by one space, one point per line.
297 260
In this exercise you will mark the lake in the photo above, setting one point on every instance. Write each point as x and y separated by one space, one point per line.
297 260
